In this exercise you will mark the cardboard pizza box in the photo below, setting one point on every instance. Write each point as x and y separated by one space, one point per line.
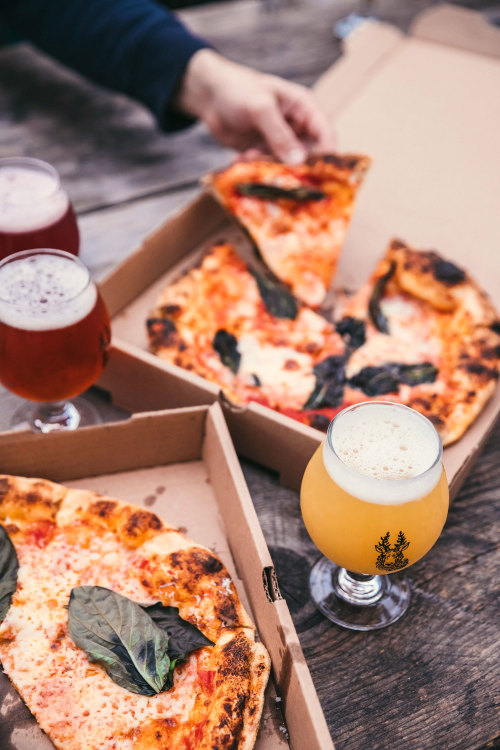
181 465
426 107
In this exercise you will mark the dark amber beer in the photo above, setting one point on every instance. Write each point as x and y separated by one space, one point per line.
35 211
54 327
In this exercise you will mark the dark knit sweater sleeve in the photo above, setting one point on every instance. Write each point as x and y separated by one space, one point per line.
136 47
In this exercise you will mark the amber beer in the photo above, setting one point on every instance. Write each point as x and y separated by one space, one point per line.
374 496
35 211
54 327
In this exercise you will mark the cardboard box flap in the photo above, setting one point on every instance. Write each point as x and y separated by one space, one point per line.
199 219
181 464
363 52
458 27
429 115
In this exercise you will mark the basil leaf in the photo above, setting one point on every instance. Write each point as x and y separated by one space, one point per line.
184 637
375 381
119 635
330 379
352 331
226 346
376 315
416 374
9 565
278 300
265 191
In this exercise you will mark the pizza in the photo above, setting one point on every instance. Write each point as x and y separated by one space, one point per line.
242 331
297 216
118 631
419 332
429 338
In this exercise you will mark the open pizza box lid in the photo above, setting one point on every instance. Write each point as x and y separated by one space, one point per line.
425 106
181 465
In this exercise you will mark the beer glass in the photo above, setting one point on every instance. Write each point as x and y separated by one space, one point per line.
35 211
54 336
374 499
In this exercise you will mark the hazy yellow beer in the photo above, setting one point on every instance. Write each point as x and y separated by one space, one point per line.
374 496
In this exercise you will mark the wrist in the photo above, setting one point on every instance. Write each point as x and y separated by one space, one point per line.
196 87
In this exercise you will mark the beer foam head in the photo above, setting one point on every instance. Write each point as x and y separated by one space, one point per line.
30 197
44 291
383 453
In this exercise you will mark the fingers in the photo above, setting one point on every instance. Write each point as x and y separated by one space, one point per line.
304 114
278 135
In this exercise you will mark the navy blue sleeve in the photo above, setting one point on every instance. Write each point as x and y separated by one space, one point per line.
136 47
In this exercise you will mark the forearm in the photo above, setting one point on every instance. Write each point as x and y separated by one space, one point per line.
133 46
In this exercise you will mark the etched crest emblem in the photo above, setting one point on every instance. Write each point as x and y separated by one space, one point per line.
391 557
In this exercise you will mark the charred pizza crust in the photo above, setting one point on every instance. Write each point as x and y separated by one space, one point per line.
297 216
80 536
435 316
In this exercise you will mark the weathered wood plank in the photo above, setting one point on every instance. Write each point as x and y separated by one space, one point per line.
107 147
430 680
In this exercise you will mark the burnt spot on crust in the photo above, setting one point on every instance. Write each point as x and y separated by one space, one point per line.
162 331
4 487
495 327
197 561
342 161
170 309
491 352
448 273
430 262
482 372
236 658
226 611
103 508
398 245
140 522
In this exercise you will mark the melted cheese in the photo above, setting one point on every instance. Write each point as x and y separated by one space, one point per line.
409 341
73 700
279 369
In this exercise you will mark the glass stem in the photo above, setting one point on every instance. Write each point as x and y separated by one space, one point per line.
56 415
357 588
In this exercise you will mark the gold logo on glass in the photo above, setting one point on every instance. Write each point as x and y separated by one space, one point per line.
392 557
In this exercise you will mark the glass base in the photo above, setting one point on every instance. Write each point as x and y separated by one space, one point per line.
357 602
63 415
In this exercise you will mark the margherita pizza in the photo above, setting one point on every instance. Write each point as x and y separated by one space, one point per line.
431 339
118 631
419 332
243 332
296 215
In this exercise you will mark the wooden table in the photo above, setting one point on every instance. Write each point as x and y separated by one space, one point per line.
432 680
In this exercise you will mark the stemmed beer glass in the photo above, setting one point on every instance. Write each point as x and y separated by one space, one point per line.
374 499
35 210
54 336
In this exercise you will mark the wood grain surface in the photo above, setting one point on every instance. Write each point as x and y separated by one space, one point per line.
432 680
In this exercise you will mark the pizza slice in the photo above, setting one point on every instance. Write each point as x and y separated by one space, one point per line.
422 332
118 631
297 216
246 334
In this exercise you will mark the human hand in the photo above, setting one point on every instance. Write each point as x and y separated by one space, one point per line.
245 109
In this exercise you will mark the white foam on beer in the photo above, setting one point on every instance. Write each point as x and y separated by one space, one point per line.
29 199
383 453
45 292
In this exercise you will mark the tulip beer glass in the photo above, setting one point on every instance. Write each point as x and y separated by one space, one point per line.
374 500
34 209
54 333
